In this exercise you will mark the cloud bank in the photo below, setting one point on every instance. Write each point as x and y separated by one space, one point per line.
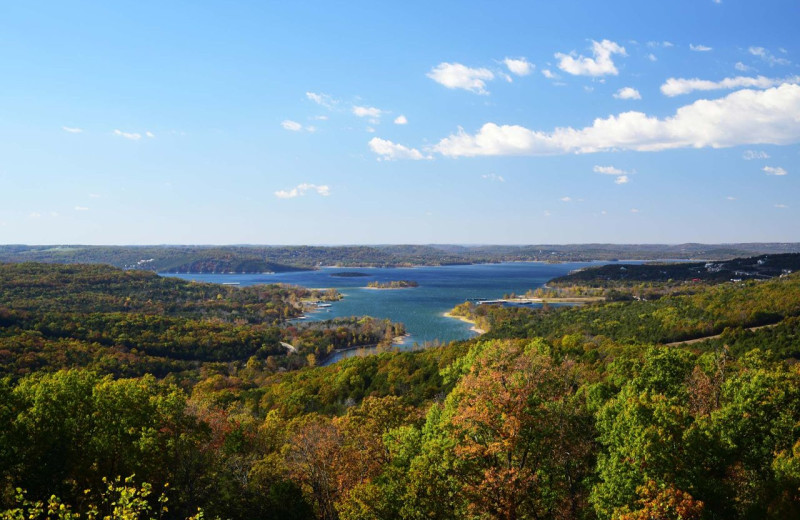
770 116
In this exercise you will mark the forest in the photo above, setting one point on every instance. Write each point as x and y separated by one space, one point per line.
127 395
260 259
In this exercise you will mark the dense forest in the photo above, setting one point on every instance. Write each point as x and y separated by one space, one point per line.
752 268
555 413
259 259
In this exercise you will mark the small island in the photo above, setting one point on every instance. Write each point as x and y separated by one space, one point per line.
395 284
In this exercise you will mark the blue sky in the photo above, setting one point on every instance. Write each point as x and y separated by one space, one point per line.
405 122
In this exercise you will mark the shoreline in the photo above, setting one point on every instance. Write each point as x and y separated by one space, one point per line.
474 327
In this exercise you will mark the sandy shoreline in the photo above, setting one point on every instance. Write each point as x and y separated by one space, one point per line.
466 320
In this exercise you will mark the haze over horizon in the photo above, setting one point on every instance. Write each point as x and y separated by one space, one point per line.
624 122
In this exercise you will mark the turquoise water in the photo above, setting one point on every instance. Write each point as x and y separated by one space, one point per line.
421 308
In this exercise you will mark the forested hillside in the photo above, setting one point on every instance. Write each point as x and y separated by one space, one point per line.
259 259
559 413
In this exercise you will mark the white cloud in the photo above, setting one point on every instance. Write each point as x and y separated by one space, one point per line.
151 135
72 129
94 195
634 210
128 135
547 73
456 75
730 198
323 100
493 177
622 175
677 86
301 189
292 126
400 120
699 48
81 208
750 155
367 112
770 116
628 93
519 66
741 67
773 170
600 65
660 44
565 199
767 56
389 151
35 214
781 206
370 130
319 118
608 170
652 57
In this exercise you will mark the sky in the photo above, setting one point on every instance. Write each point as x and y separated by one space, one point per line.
469 122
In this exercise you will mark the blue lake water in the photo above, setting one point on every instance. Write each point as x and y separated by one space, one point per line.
420 309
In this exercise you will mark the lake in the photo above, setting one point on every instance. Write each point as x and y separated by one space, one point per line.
421 308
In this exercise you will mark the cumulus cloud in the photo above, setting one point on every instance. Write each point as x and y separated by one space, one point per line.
699 48
547 73
741 67
565 199
781 206
389 151
128 135
367 112
677 86
627 93
750 155
622 175
773 170
652 57
767 56
301 189
400 120
456 75
323 100
519 66
72 129
600 65
81 208
770 116
150 135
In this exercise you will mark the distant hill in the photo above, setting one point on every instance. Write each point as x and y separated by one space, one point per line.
258 259
756 267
